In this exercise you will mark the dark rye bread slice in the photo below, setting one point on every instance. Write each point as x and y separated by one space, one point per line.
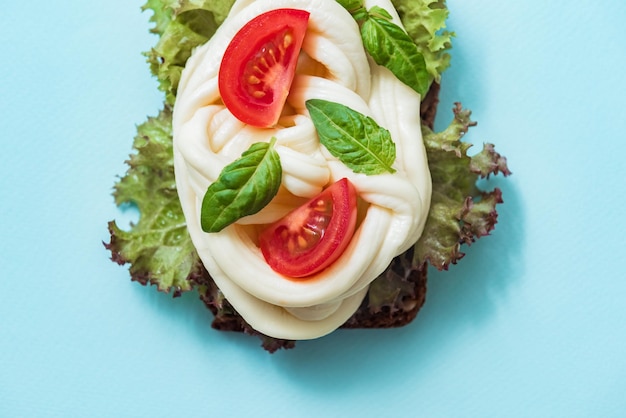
407 299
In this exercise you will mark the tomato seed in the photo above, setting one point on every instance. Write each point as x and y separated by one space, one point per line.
287 40
272 54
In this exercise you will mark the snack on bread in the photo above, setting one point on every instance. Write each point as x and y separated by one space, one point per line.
378 277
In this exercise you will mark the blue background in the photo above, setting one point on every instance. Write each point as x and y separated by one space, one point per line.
530 323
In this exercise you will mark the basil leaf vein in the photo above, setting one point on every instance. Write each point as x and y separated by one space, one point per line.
393 48
355 139
355 8
243 188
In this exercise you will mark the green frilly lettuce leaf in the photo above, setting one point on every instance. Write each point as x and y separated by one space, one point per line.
158 247
181 26
425 22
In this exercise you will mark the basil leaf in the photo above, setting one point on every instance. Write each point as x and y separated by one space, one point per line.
243 188
379 12
355 8
355 139
391 47
351 5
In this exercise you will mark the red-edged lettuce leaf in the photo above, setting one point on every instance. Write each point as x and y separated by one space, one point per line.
158 248
460 212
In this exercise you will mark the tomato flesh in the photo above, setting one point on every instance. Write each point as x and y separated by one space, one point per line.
259 64
314 235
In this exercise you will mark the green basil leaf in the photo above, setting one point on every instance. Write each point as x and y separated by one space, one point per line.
355 8
379 12
351 5
243 188
391 47
355 139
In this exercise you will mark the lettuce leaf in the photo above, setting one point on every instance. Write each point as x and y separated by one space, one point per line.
181 25
158 248
460 212
425 22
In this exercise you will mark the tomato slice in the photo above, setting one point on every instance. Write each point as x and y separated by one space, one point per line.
259 64
314 235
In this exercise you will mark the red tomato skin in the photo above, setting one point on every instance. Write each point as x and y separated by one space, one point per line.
333 240
259 64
